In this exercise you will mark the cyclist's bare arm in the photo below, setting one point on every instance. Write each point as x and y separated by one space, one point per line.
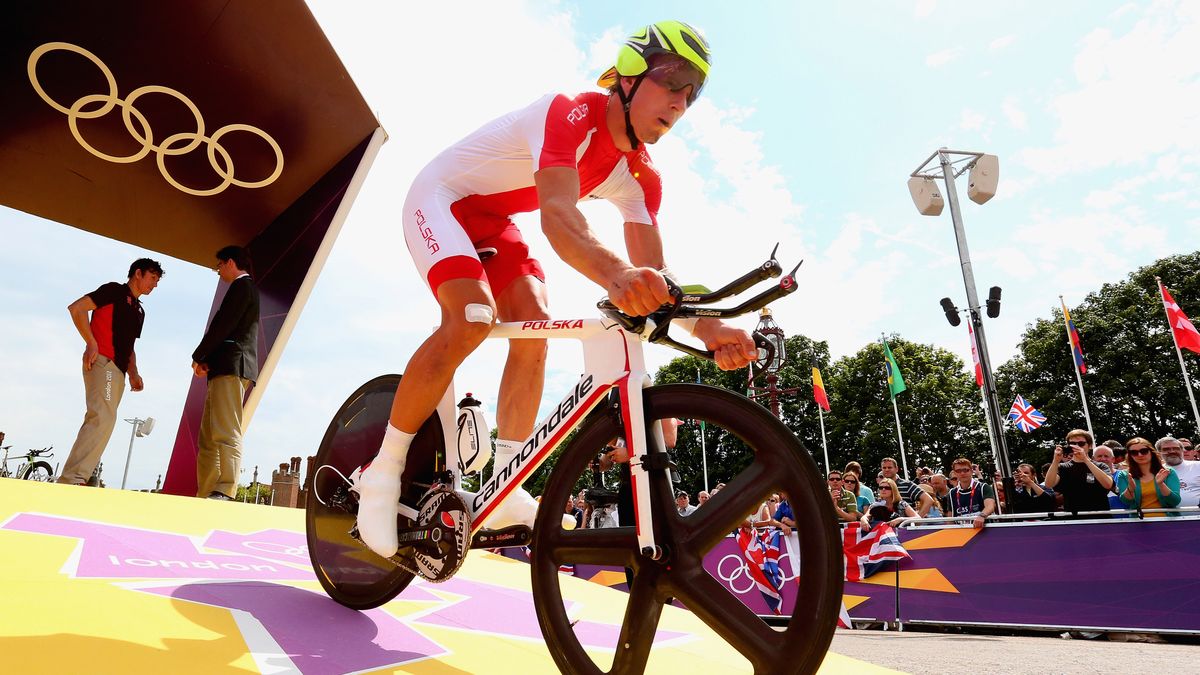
79 316
637 291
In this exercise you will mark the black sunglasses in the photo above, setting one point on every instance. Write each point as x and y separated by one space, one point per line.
1140 451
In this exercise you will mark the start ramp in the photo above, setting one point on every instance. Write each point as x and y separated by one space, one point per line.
99 580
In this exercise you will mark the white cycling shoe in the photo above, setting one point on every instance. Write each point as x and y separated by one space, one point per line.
378 496
520 509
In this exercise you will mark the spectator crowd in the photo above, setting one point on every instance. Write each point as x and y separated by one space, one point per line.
1153 479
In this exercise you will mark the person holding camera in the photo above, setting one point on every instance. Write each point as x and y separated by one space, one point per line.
845 502
890 508
1028 495
1083 484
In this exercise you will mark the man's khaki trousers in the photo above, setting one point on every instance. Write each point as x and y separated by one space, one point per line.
220 457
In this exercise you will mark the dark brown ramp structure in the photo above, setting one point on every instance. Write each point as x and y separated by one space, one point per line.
182 127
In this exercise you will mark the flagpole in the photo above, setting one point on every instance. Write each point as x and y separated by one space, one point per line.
824 447
1186 381
703 448
895 408
900 436
1087 416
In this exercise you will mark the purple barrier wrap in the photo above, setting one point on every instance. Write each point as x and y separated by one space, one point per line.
1114 574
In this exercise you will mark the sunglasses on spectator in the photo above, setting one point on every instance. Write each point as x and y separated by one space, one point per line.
884 487
834 480
1082 444
850 481
1139 451
962 469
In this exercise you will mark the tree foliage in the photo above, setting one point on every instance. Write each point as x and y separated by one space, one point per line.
1134 386
940 413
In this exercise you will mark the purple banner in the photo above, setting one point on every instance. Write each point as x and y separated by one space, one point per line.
1123 573
1120 574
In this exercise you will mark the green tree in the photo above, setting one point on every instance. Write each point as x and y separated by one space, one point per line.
940 412
1133 384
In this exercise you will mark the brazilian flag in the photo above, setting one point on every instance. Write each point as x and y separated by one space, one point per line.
895 379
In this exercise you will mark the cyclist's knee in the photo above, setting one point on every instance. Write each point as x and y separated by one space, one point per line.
470 326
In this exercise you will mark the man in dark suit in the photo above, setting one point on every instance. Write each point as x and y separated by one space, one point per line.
228 356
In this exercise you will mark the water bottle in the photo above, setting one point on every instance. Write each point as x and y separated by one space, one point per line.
474 437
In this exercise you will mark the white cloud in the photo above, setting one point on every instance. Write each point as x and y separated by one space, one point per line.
923 8
939 59
1103 199
1016 117
971 120
1001 42
1138 96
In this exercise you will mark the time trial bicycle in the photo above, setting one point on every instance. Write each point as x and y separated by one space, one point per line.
438 520
30 468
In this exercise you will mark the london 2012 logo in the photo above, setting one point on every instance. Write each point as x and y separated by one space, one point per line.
85 108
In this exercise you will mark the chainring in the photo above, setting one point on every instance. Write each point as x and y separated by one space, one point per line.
447 513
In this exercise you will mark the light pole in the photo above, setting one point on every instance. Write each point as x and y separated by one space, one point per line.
140 428
985 172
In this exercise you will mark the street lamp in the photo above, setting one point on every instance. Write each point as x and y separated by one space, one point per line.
985 174
141 428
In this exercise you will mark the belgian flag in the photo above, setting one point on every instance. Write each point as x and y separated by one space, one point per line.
819 390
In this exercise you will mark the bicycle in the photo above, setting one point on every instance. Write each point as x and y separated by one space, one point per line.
439 521
31 468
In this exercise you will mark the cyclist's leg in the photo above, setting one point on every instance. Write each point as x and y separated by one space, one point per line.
446 258
520 288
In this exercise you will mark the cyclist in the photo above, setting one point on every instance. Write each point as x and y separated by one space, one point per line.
547 157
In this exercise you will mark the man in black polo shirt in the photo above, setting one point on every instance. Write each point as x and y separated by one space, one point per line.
1084 484
115 322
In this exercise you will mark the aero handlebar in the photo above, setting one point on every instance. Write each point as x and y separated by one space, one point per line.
689 305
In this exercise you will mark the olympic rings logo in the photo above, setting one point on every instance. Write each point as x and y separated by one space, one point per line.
175 144
732 575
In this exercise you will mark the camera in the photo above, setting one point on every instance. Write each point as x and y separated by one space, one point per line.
598 496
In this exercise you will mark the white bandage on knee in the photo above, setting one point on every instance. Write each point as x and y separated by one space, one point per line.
477 313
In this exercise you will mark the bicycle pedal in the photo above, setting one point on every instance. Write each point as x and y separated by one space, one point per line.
505 537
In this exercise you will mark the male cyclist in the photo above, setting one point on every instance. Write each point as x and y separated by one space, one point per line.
547 157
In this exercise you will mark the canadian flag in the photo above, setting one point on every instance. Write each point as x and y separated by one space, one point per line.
975 356
1186 335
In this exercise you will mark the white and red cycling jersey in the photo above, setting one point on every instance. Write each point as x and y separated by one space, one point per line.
461 201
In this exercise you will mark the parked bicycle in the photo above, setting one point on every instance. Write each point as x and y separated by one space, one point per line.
30 468
439 521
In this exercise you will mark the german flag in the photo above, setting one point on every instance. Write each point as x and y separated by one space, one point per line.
819 390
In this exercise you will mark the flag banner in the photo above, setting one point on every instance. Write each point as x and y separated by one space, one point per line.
1024 415
1186 335
895 379
865 552
1073 336
760 551
975 356
819 389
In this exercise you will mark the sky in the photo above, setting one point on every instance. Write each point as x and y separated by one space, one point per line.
813 118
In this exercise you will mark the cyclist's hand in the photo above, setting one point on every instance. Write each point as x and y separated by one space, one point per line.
90 354
638 291
135 382
732 347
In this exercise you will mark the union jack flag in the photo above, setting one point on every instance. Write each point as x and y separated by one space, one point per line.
1025 416
761 554
865 552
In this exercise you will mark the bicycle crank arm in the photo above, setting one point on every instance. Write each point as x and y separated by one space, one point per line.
505 537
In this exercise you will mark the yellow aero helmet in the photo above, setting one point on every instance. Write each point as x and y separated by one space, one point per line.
664 37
